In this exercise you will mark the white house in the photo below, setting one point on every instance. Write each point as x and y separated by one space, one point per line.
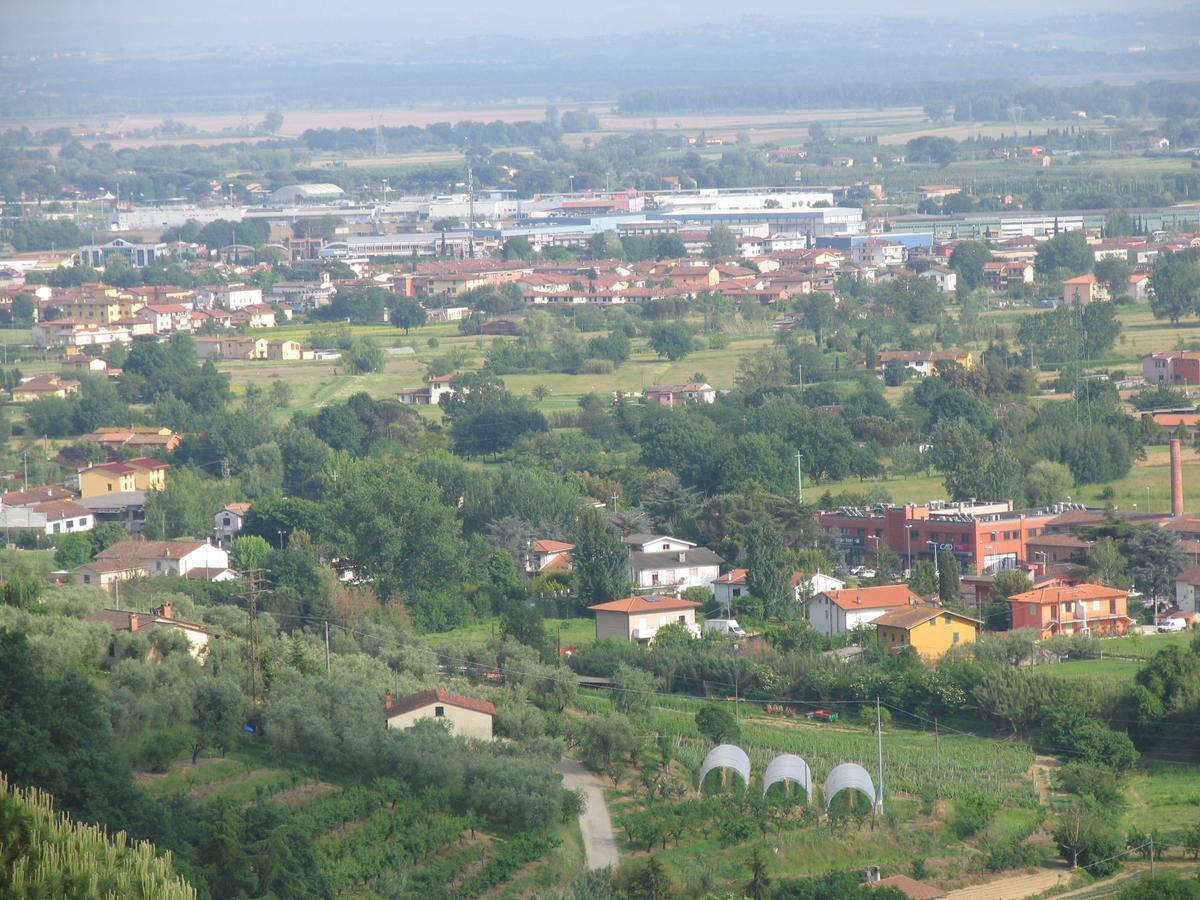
835 612
729 587
1187 586
227 524
659 562
237 296
50 517
546 555
945 278
436 387
466 716
196 559
119 620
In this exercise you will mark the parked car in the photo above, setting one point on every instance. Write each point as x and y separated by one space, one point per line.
1172 625
724 626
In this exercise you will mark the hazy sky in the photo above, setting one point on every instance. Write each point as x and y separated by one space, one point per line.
40 24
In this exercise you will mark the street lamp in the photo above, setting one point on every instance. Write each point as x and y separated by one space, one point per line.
280 533
908 537
934 545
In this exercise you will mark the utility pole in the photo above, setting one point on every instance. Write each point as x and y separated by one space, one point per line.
1152 853
326 646
252 633
879 740
799 480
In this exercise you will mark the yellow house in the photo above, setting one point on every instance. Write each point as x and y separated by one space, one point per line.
466 716
109 478
931 630
148 474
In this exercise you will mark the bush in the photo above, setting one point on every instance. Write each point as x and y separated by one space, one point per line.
1011 853
158 751
973 814
595 367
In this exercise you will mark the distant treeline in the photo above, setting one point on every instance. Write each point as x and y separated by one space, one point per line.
477 135
976 101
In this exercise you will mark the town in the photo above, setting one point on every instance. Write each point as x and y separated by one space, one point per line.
624 499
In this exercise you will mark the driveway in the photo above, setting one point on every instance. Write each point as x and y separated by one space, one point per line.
1014 887
598 841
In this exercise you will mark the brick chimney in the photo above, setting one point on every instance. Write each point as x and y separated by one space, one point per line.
387 700
135 622
1176 480
166 611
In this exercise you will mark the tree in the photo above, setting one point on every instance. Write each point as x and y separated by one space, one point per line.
923 580
1047 482
1068 251
392 528
1175 285
517 248
605 738
769 574
1106 563
1155 558
485 417
948 578
218 707
967 261
1161 886
23 308
408 313
185 508
1084 838
1113 272
672 340
717 723
73 550
759 886
721 242
364 356
818 313
599 561
249 552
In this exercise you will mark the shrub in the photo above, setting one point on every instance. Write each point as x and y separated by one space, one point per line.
595 367
973 814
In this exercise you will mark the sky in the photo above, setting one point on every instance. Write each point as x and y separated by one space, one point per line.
49 24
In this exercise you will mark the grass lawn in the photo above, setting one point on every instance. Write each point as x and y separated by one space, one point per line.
578 631
1164 795
1143 646
1116 670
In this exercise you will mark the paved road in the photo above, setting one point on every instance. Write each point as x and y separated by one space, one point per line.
598 841
1012 888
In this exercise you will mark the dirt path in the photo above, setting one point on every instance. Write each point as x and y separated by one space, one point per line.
1040 773
598 841
1013 888
1129 871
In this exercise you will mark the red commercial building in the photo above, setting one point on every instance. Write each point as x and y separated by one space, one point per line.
988 536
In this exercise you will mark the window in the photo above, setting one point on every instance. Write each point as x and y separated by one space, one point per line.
956 637
1112 607
1033 609
57 527
946 620
666 546
682 620
87 579
439 711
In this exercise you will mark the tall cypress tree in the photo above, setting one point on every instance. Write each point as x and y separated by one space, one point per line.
599 560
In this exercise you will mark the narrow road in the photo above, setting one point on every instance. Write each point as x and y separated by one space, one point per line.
1012 888
598 841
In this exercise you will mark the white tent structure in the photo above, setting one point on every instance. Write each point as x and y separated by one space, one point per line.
849 776
726 756
788 767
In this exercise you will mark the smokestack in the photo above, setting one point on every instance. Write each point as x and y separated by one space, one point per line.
387 700
1176 480
134 622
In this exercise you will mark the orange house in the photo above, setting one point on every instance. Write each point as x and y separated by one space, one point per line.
1055 607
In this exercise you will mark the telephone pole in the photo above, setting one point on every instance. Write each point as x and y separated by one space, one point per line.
252 633
326 646
799 480
879 740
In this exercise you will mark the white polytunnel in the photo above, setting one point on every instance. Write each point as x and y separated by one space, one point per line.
726 756
788 767
849 776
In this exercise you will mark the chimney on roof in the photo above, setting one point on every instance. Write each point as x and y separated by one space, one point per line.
387 700
1176 480
134 622
165 611
858 598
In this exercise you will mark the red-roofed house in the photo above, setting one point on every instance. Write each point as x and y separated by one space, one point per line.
466 716
1082 290
672 395
148 474
108 478
733 584
639 618
1054 607
835 612
547 555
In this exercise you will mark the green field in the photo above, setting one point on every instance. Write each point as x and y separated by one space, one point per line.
579 631
1164 795
1115 670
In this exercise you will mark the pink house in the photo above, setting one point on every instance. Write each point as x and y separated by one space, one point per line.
1172 367
672 395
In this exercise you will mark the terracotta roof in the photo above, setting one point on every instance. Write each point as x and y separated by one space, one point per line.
136 550
146 462
649 603
56 510
35 495
112 468
881 597
1189 576
238 509
1057 592
1060 540
912 616
910 887
447 698
548 546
